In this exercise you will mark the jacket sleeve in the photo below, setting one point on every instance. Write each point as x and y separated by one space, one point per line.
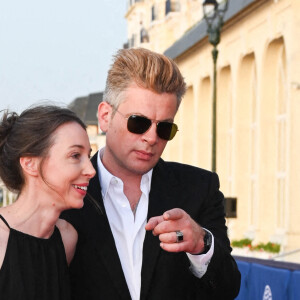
222 277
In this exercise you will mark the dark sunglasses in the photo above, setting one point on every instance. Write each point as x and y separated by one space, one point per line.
139 125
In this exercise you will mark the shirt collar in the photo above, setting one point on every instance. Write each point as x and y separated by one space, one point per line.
105 177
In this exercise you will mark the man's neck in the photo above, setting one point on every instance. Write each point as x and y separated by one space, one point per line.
130 180
131 183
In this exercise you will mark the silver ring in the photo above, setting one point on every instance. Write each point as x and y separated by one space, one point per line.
179 236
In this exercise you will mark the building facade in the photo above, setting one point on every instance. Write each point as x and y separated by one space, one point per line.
258 105
86 108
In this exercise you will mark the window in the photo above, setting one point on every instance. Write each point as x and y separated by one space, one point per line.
144 37
153 13
281 121
254 148
132 41
172 6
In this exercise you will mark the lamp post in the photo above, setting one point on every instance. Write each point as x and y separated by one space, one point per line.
213 12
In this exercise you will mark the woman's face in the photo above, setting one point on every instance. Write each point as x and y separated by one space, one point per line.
67 168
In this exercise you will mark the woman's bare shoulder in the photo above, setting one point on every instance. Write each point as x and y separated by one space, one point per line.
69 237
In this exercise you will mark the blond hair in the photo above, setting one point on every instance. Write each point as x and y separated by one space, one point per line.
145 68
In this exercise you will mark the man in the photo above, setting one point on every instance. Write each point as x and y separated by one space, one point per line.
161 233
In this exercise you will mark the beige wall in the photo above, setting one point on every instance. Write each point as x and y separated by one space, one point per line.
258 112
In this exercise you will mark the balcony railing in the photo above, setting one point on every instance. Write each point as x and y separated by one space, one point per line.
6 197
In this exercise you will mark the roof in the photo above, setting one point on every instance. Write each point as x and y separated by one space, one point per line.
199 31
86 107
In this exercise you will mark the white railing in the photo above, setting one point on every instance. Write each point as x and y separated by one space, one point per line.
6 197
284 254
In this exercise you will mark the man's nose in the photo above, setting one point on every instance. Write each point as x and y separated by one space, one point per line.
150 136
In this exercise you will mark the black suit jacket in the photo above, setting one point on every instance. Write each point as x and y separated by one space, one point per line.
96 271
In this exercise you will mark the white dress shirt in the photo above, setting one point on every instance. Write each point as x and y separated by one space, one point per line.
129 230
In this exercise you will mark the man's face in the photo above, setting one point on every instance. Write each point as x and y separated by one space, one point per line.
127 153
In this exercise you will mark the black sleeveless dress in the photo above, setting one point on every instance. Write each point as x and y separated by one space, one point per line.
34 268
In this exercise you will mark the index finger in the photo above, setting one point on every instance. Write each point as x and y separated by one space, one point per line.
173 214
152 222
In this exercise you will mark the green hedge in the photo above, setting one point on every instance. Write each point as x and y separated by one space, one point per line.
268 247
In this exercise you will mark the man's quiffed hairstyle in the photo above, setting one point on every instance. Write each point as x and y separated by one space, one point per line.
145 68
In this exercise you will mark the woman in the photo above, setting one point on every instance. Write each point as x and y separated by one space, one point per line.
44 157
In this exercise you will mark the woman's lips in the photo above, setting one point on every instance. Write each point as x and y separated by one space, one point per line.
81 189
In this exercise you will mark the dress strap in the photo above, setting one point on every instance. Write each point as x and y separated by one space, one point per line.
4 221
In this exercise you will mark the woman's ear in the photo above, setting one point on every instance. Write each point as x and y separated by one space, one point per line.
104 115
29 165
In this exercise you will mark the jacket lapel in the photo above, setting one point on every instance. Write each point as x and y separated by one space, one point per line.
104 242
161 198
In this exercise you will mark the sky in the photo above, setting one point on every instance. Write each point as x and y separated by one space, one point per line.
57 50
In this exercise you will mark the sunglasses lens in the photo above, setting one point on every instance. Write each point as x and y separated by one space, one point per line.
166 130
138 124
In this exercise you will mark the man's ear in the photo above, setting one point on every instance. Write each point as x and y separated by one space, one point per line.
29 165
104 115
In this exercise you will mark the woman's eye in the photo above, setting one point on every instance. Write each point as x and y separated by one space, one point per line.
75 155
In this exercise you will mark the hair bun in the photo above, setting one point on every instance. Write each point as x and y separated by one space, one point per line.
7 123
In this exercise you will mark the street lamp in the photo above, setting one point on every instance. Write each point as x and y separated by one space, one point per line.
213 12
